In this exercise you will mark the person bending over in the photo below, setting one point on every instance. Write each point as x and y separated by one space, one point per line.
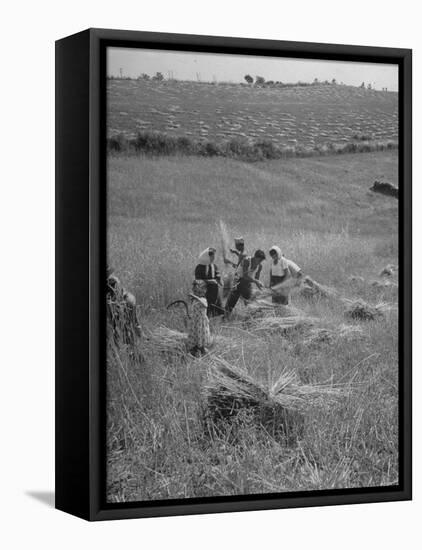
247 275
281 270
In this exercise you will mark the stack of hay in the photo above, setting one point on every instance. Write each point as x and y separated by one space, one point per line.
360 310
279 409
122 320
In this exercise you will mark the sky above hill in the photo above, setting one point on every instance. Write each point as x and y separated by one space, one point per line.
232 68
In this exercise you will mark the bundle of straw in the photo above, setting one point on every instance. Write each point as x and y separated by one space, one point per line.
319 336
360 310
122 320
312 289
231 391
288 390
279 408
166 340
265 306
282 325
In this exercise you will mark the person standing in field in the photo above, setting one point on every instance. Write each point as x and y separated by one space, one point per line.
281 270
207 271
239 251
199 336
247 274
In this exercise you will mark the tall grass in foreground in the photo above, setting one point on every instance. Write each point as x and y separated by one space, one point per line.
160 443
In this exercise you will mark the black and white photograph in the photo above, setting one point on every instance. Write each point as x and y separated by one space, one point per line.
252 275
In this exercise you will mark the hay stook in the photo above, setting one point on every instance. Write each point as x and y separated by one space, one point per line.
280 410
360 310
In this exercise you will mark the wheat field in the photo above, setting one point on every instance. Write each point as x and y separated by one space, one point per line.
161 214
296 115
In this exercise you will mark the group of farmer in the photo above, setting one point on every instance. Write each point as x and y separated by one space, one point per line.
247 271
205 297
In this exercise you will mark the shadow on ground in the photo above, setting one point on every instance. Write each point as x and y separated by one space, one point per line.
45 497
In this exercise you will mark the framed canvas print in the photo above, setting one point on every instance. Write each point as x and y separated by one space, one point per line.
233 274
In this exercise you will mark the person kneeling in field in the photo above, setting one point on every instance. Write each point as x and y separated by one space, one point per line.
281 271
199 335
247 274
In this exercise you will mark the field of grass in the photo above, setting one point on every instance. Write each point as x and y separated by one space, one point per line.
296 116
162 213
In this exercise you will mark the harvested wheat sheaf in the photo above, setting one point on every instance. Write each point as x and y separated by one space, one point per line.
262 306
165 340
360 310
279 408
312 289
319 336
283 325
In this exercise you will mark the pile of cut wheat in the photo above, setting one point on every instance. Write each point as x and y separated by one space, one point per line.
279 408
283 325
359 310
165 340
311 289
319 336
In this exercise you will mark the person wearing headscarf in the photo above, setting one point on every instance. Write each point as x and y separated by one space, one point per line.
248 273
199 336
281 270
207 271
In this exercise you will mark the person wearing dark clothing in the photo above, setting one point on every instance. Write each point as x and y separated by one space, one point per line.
206 270
247 274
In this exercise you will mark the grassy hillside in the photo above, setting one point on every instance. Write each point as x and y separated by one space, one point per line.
166 211
162 214
297 116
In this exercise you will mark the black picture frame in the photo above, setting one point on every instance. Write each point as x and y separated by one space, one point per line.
81 263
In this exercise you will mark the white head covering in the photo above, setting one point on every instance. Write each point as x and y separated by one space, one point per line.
277 250
204 257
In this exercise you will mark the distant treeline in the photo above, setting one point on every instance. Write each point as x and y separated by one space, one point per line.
259 81
161 144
